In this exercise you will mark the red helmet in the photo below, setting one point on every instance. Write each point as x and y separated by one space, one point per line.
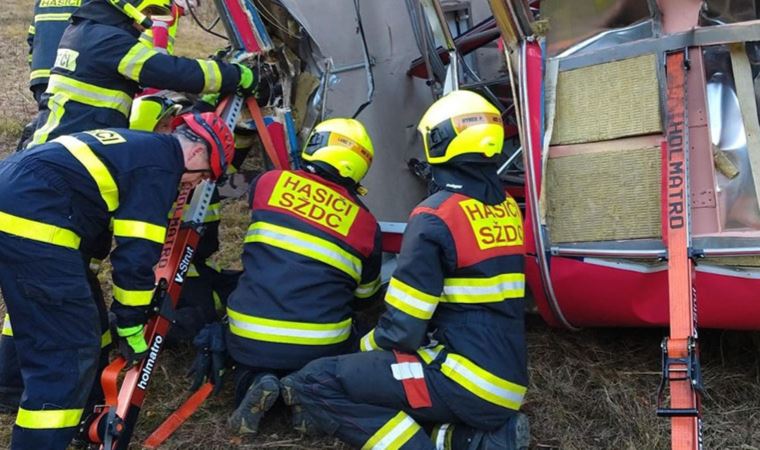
216 133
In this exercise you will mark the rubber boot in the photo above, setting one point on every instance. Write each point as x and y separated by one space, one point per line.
258 399
513 435
300 420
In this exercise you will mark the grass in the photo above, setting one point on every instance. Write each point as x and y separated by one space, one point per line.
593 389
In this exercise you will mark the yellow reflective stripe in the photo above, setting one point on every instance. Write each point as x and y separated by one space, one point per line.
192 271
7 329
132 298
218 305
147 38
394 434
367 290
410 300
305 245
477 380
95 167
482 383
105 339
132 63
484 290
429 354
48 418
139 230
40 73
89 94
367 343
31 30
287 332
38 231
213 213
57 109
52 17
441 436
212 76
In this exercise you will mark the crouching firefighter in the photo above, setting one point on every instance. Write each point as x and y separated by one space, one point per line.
58 198
311 255
450 348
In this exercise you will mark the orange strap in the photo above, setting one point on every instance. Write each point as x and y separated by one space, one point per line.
280 161
685 429
178 417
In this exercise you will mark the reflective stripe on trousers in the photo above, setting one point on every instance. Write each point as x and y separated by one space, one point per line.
477 380
395 433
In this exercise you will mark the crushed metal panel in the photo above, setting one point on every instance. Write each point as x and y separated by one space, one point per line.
585 112
604 196
573 21
399 101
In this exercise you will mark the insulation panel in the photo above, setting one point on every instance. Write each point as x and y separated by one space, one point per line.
586 113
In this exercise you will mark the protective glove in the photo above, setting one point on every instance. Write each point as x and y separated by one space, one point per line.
132 345
209 361
247 83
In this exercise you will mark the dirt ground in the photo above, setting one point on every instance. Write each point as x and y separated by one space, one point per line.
593 389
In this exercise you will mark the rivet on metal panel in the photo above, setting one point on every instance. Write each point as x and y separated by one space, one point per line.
703 199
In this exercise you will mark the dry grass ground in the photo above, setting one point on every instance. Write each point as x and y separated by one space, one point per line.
593 389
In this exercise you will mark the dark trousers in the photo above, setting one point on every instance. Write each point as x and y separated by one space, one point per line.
356 398
56 328
11 383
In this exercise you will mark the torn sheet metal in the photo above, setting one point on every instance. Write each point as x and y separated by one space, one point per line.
734 180
576 21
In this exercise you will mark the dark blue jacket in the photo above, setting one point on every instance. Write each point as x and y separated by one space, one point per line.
457 297
51 17
83 182
100 66
312 249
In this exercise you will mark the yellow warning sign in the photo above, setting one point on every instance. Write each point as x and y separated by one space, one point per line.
494 225
314 202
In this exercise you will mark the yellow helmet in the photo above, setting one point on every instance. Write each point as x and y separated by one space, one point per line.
342 144
461 123
149 110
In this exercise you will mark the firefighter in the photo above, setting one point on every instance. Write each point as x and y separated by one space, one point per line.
101 63
450 348
55 199
312 252
50 19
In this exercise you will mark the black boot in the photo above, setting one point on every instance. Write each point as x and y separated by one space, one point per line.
300 420
513 435
258 399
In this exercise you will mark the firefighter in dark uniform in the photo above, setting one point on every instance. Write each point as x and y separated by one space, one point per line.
56 198
312 252
101 64
51 17
450 349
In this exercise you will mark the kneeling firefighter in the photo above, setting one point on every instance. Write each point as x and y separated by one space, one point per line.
450 349
311 256
56 200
